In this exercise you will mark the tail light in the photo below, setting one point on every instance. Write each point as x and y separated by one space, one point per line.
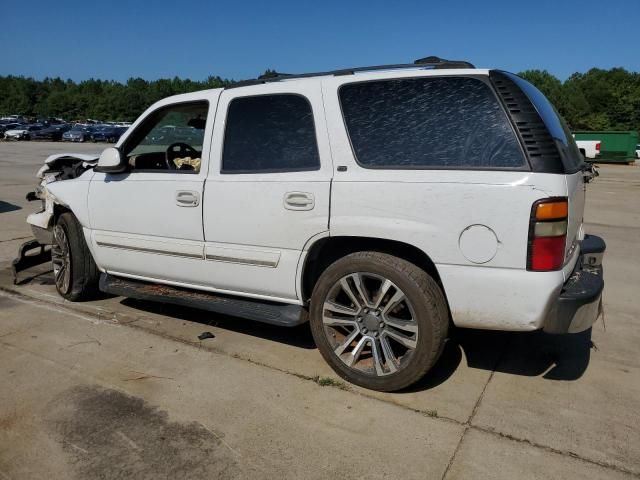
598 146
547 234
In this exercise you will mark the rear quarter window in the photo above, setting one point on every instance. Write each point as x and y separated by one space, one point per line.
443 122
557 127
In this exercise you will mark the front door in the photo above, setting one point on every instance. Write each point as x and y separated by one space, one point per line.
147 221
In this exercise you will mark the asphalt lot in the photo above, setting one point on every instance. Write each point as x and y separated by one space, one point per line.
120 388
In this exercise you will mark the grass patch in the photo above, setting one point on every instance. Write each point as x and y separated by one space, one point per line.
431 413
329 382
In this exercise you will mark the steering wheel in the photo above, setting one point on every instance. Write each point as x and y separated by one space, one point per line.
184 150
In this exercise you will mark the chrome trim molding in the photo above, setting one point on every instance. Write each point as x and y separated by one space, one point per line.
215 258
148 250
243 261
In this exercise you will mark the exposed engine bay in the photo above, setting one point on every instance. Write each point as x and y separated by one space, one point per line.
65 166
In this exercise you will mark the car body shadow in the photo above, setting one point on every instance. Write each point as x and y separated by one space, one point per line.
8 207
530 354
554 357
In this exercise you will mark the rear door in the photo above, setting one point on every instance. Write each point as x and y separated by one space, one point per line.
268 188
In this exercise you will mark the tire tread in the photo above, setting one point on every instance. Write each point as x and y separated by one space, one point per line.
84 271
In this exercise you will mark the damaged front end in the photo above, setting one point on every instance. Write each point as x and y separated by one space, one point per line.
60 167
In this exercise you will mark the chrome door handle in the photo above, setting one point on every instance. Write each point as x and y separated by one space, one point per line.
187 198
299 201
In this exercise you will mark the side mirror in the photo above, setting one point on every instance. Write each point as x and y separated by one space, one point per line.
111 161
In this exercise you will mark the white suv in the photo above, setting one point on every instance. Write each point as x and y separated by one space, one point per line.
380 204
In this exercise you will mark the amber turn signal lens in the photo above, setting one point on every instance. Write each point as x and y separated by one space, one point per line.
552 210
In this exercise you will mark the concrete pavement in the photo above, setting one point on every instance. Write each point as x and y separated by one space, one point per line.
128 382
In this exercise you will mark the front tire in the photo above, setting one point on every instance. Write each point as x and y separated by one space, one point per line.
76 274
378 320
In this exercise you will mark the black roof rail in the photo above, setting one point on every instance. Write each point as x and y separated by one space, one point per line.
273 74
438 62
432 62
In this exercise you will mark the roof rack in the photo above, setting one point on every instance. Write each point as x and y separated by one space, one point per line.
432 62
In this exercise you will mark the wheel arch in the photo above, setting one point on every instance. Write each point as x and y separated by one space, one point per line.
324 251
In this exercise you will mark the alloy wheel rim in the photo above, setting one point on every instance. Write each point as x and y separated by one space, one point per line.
370 324
61 259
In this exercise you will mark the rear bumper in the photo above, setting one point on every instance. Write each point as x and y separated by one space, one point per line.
579 303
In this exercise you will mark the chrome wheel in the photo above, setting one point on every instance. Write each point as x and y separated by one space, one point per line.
61 259
370 324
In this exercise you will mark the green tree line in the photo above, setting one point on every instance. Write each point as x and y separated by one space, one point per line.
98 99
595 100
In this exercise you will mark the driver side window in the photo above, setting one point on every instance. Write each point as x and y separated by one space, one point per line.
169 139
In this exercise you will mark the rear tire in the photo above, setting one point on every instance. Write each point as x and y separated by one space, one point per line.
378 320
76 274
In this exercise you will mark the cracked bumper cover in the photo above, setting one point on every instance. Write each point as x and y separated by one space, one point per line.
579 303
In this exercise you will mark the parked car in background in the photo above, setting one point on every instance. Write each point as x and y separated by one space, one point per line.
107 134
8 126
161 135
14 119
78 133
52 132
50 121
168 134
638 151
21 133
589 148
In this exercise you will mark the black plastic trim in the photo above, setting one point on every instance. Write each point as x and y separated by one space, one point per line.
579 303
592 244
24 261
539 146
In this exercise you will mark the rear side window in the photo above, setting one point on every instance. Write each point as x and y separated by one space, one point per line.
270 133
445 122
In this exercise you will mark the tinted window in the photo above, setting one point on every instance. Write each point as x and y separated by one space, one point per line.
428 122
270 133
543 106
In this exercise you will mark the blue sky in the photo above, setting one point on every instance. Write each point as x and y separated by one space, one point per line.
115 39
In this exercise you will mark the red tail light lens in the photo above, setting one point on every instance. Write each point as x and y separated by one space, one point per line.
547 253
547 234
598 146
